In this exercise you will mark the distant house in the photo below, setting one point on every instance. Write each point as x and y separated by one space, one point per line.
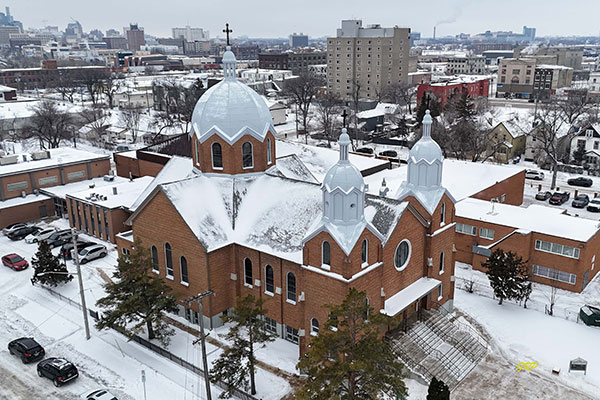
506 142
278 111
587 137
7 93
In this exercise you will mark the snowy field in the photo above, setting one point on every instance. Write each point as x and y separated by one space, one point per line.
108 360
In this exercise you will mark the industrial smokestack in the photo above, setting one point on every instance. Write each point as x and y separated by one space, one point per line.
434 32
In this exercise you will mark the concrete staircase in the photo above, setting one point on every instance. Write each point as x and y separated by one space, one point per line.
439 346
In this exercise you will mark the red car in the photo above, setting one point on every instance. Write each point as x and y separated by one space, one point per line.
15 262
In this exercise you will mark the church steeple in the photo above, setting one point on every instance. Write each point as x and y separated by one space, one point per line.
425 159
229 61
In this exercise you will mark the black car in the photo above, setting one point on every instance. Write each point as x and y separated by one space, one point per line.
559 198
543 196
389 153
20 233
581 181
580 201
365 150
58 370
67 249
27 349
59 238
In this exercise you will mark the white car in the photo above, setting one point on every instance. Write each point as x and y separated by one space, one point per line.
91 253
99 394
13 227
533 174
39 235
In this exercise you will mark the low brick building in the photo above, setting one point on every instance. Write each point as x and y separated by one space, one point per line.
443 91
560 249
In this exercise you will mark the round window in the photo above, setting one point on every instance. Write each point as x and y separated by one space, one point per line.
402 255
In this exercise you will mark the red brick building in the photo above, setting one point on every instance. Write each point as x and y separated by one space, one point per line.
443 91
238 223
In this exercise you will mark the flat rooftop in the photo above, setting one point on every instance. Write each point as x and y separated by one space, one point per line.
127 193
62 191
62 156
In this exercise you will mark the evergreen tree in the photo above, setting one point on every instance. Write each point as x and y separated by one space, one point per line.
431 103
579 155
438 390
508 275
137 298
461 108
47 268
238 362
352 361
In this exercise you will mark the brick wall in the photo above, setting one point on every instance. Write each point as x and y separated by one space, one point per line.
511 187
25 212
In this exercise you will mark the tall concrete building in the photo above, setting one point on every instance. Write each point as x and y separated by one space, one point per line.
298 40
190 34
135 37
366 60
529 33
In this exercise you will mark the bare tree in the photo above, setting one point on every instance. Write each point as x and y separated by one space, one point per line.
66 85
401 94
552 298
328 109
178 101
574 107
96 119
93 80
50 125
130 117
110 86
301 91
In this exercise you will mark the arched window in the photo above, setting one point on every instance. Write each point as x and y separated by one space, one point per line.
443 214
367 307
247 158
365 252
169 259
154 252
184 270
269 281
314 326
402 255
269 155
326 253
442 262
217 156
291 287
247 271
197 151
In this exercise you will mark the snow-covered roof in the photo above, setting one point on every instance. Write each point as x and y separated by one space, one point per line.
61 191
462 178
127 193
19 201
60 156
290 166
409 295
536 218
552 66
26 109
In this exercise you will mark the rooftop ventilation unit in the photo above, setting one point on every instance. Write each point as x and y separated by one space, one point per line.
40 155
9 160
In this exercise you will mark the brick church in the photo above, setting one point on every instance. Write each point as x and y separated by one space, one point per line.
236 220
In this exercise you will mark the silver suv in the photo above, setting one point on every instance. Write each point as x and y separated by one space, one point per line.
92 252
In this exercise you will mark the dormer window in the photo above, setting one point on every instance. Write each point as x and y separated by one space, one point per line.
247 157
217 156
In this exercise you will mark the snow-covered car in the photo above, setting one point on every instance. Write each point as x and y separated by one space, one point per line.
42 234
92 252
534 174
99 394
543 195
13 227
594 205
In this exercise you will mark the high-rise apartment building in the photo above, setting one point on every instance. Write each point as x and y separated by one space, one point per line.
298 40
135 37
190 34
366 60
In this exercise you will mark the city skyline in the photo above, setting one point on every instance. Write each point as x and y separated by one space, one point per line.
451 17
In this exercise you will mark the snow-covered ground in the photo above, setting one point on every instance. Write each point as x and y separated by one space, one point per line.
108 359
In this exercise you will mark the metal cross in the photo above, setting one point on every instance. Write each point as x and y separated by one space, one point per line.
227 31
344 115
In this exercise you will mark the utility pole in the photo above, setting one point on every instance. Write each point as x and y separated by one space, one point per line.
202 338
80 278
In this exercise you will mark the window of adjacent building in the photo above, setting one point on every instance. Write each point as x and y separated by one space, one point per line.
557 248
184 270
92 219
440 291
402 255
466 229
85 218
314 327
325 253
76 175
269 280
197 151
596 143
291 334
105 223
217 156
99 222
443 214
441 262
154 252
291 287
169 259
247 272
269 156
11 187
554 274
270 325
486 233
247 158
365 252
49 180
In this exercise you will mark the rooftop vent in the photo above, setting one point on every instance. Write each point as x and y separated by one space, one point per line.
40 155
109 178
115 190
9 160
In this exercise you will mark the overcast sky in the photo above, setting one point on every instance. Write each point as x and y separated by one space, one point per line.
278 18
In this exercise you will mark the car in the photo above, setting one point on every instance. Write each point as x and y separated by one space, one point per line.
13 227
559 198
594 205
91 253
58 370
580 181
67 249
27 349
389 153
122 147
59 238
15 261
580 201
365 150
534 174
324 145
21 233
99 394
42 234
543 195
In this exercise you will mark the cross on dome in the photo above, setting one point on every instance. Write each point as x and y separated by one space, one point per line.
227 31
